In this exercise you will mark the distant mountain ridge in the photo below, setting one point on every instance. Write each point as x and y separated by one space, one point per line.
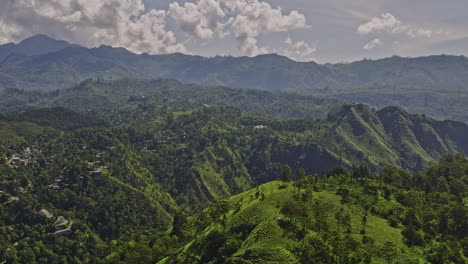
435 85
35 45
271 71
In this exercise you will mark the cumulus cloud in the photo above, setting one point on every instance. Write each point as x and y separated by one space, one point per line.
123 23
200 19
298 50
371 45
385 23
246 20
253 18
129 24
388 23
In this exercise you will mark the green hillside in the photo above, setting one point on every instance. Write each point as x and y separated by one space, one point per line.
200 154
390 136
283 223
120 188
342 217
60 118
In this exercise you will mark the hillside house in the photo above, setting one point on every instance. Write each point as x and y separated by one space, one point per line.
45 213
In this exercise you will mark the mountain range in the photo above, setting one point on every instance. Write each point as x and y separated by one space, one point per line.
435 85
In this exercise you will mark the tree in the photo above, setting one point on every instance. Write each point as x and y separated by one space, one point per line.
444 252
139 254
443 223
364 222
442 185
286 174
27 255
179 225
412 219
344 193
413 238
389 251
300 174
218 211
459 216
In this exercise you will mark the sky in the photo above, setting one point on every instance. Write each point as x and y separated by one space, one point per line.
325 31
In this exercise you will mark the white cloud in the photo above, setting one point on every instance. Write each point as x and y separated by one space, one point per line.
246 20
387 23
9 32
129 24
255 18
371 45
420 32
298 51
201 19
123 23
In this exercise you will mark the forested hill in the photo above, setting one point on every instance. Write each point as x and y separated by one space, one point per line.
60 118
203 153
434 85
74 190
391 135
351 133
341 217
106 98
120 195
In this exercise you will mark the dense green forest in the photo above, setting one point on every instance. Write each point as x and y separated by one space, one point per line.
311 127
89 188
108 98
434 85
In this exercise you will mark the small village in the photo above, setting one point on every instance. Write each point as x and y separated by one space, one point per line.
29 155
32 155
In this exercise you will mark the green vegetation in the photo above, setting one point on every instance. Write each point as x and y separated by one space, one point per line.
140 192
352 133
350 217
134 171
106 98
60 118
434 85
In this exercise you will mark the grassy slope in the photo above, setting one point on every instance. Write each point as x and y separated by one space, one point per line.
11 132
268 242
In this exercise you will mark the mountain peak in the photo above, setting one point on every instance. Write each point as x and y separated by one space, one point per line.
349 109
35 45
40 42
36 38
